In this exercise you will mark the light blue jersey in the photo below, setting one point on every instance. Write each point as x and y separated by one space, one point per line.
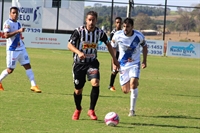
13 43
129 48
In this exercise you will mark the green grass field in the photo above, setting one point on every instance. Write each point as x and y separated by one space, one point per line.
168 102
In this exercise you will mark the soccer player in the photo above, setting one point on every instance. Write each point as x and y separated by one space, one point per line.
16 50
83 43
118 25
129 42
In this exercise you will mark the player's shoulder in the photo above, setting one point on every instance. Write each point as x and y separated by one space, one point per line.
119 32
8 21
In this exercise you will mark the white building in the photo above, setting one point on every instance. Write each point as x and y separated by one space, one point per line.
71 14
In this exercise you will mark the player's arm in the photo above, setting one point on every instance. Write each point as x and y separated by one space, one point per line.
144 51
110 49
9 34
72 42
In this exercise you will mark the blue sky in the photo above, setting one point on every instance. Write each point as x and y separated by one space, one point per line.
169 2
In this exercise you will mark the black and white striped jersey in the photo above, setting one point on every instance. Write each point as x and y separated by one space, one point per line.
87 42
112 33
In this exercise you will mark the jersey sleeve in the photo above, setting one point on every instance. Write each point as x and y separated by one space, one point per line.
111 35
74 37
114 41
6 27
143 41
104 38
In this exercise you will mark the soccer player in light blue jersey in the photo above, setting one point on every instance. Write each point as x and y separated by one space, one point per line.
16 50
129 42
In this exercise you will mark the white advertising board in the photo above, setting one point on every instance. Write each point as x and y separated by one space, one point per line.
0 15
46 40
183 49
155 47
2 38
30 14
102 47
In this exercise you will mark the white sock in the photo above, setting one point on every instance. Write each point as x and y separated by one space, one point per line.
30 75
3 74
133 98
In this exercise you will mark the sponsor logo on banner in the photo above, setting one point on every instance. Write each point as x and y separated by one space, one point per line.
183 49
30 14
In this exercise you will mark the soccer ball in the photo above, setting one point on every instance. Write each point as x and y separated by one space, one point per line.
111 119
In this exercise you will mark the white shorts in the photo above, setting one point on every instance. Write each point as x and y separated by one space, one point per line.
126 74
14 56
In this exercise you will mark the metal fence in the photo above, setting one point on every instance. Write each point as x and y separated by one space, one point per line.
156 21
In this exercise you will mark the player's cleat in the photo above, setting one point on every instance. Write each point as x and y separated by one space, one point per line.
1 87
112 88
132 113
92 115
76 114
35 89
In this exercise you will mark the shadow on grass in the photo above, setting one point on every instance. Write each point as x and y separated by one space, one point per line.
174 117
161 125
87 95
184 95
118 126
178 116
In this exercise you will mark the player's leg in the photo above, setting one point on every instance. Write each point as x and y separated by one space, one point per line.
113 75
134 82
11 60
93 76
79 82
25 62
124 81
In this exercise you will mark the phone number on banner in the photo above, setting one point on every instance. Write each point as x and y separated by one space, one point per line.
155 49
33 30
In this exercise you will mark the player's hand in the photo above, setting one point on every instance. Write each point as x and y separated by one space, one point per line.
22 29
81 55
144 65
116 63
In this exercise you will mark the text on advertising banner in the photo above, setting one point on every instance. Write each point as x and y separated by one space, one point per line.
183 49
30 14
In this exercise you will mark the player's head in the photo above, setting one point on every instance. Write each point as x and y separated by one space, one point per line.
91 20
14 11
118 23
128 26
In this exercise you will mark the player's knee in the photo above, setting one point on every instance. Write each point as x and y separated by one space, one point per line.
125 91
95 82
78 91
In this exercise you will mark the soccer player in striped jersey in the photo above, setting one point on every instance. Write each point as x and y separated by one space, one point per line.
15 49
83 43
129 42
118 25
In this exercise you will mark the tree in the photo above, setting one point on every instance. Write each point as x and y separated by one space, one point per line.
142 21
196 14
186 20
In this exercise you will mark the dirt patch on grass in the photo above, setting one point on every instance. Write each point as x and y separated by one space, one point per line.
176 36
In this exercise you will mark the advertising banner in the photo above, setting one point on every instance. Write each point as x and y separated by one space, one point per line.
183 49
30 14
2 38
155 47
0 15
46 40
